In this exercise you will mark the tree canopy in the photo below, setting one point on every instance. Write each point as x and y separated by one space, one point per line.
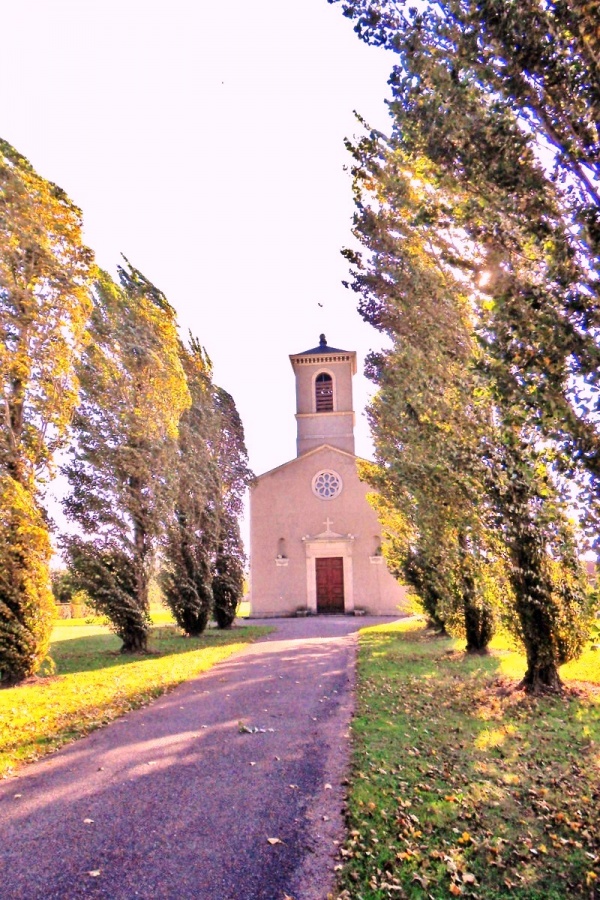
477 220
124 457
44 306
204 559
502 99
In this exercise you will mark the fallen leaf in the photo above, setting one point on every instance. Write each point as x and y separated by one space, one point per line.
274 841
18 796
328 787
455 889
88 821
94 873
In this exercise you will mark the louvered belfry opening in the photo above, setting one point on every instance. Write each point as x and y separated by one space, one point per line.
324 392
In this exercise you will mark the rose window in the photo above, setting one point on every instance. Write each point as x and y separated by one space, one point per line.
327 484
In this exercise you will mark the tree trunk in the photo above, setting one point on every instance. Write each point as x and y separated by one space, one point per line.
135 641
477 618
478 627
533 591
540 678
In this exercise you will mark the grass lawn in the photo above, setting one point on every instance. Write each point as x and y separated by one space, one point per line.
93 683
464 786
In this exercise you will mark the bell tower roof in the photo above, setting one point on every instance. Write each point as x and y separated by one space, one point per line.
322 348
325 354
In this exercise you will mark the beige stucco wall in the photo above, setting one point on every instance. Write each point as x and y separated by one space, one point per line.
337 427
283 506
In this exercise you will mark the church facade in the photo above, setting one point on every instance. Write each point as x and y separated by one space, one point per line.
314 538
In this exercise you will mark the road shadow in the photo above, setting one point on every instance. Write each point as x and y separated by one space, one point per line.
180 799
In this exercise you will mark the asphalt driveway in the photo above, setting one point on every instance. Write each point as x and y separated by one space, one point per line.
228 788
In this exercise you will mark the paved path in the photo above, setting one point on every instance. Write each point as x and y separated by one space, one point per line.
181 803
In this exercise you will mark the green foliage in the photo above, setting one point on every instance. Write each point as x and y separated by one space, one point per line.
66 590
108 577
44 307
479 215
192 532
63 588
123 463
228 581
202 547
502 100
423 573
26 604
186 579
432 412
234 472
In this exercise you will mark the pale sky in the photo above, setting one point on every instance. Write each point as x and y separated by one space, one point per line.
205 142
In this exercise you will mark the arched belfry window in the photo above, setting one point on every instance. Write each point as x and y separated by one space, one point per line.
324 393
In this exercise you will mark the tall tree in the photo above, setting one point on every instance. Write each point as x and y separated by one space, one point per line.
432 412
235 477
44 307
191 536
228 579
493 115
121 471
445 416
203 551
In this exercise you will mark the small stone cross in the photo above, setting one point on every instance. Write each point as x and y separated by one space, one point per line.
328 524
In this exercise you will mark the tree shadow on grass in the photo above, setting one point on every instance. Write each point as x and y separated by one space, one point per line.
504 785
90 653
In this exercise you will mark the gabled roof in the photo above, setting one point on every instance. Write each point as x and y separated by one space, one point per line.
297 459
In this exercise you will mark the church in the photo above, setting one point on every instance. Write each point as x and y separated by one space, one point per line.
315 542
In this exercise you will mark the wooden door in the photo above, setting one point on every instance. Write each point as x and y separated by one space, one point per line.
330 584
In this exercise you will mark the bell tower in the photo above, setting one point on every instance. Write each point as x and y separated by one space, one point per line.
324 412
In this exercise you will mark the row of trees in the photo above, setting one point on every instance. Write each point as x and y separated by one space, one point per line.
156 461
479 216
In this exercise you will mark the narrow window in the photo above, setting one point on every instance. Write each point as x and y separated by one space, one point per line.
324 392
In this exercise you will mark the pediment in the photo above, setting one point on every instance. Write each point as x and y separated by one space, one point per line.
328 536
299 460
